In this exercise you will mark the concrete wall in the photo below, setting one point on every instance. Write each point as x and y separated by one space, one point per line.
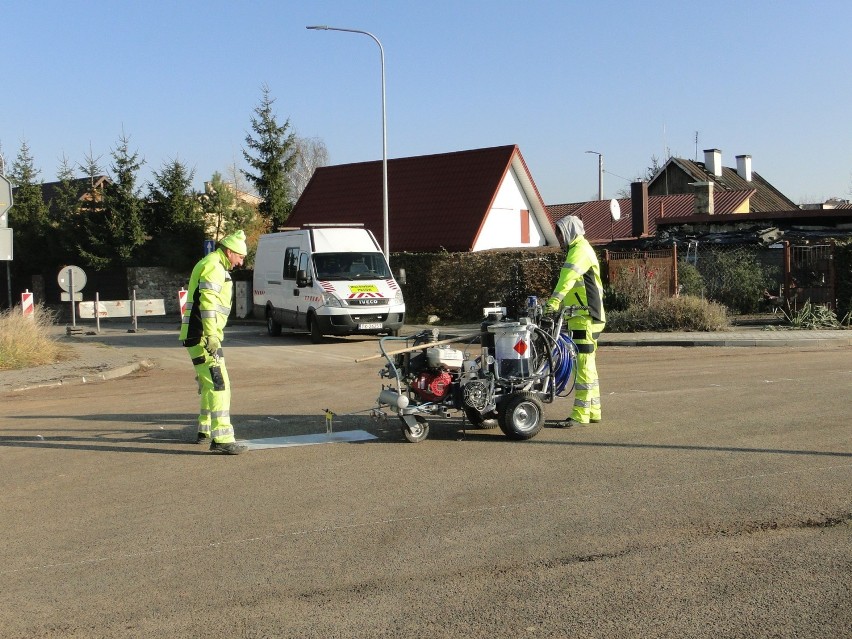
153 283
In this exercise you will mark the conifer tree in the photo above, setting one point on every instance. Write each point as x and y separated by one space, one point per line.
173 218
86 229
123 232
63 212
28 217
273 159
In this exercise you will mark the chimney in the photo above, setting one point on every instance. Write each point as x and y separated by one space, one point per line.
744 167
713 162
703 198
639 209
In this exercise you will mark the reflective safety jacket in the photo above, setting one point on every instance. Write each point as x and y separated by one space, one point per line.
580 281
208 299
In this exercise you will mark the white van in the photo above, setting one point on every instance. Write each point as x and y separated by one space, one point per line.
328 280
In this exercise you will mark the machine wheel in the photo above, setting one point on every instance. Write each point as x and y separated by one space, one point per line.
272 327
418 432
480 420
521 416
313 327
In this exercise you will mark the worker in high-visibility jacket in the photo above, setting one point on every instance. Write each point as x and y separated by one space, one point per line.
208 305
579 284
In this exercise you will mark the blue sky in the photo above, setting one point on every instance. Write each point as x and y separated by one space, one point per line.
628 79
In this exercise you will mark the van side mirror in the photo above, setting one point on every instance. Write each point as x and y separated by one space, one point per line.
301 278
401 279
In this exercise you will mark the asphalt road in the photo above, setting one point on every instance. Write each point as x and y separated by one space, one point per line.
715 500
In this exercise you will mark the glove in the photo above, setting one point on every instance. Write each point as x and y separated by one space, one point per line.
552 305
212 345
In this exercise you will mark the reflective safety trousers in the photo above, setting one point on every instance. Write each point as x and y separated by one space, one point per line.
587 393
214 418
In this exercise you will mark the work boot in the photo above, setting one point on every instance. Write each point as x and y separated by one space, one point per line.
595 420
571 423
202 437
231 448
566 423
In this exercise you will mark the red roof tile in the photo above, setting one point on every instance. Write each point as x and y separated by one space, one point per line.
601 228
434 201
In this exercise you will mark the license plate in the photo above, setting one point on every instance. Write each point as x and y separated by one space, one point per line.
369 327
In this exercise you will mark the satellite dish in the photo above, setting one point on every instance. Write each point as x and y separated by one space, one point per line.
615 210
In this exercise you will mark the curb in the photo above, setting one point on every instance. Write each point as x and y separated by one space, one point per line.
114 373
822 341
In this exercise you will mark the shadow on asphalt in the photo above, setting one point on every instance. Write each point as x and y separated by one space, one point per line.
179 429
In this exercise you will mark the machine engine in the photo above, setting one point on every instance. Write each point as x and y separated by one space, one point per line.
438 370
432 386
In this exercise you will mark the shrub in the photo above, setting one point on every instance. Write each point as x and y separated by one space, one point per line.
26 341
640 283
815 317
615 300
685 313
735 278
689 279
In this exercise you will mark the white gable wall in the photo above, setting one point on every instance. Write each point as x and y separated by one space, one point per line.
502 226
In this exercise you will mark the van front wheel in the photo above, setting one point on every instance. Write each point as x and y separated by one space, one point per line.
272 327
313 327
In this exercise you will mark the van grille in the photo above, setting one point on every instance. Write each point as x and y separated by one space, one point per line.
367 301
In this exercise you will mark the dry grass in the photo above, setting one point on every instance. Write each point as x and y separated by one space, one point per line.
684 313
26 341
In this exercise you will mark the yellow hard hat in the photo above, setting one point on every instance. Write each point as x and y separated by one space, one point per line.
236 241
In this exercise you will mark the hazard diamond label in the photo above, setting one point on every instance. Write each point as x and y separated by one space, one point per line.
521 347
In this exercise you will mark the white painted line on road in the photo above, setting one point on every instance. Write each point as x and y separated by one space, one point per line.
308 440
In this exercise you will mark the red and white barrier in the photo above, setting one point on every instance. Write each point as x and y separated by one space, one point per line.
27 304
182 300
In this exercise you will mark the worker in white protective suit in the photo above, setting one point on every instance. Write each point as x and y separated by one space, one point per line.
580 284
203 323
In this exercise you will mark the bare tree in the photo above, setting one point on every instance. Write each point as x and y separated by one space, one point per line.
311 153
650 172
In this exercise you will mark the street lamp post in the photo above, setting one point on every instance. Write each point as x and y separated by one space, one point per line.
384 132
600 173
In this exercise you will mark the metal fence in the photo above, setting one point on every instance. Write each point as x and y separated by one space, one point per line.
642 276
746 278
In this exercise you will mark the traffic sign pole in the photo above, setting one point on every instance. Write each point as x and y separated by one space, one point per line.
71 279
73 310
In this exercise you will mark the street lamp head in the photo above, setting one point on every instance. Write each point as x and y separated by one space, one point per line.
319 27
595 152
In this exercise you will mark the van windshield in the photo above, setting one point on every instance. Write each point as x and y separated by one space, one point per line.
351 266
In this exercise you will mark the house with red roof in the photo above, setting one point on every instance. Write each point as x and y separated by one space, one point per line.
683 191
463 201
679 175
602 228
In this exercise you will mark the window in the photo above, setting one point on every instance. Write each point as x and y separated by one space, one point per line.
291 261
525 226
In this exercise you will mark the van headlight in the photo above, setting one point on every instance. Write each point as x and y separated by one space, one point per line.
397 299
330 299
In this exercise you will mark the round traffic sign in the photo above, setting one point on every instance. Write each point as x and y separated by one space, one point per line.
71 274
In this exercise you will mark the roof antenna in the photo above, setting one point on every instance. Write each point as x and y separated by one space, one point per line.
696 146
